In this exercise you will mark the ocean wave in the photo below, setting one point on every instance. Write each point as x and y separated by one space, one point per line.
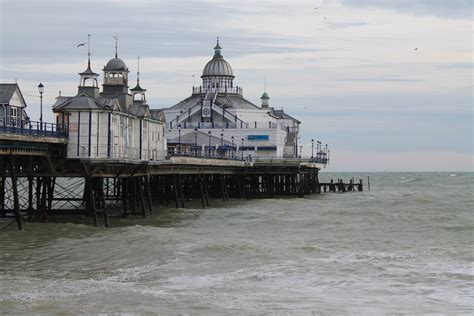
409 180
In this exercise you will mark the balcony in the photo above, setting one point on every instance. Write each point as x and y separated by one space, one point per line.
233 90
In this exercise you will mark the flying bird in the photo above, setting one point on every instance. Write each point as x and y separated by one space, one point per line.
416 48
81 44
316 8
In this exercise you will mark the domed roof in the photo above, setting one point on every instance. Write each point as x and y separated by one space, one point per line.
116 64
265 96
217 66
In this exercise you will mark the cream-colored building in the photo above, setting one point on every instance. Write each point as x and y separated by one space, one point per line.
113 124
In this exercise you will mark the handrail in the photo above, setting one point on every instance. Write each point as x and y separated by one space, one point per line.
33 128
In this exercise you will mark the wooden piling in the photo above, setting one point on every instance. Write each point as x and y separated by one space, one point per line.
16 203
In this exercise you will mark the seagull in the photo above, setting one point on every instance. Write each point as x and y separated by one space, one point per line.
416 48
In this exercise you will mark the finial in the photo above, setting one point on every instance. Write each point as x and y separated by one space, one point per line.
116 40
138 69
89 51
265 83
217 49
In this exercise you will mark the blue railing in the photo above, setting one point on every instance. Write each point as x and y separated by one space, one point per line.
33 128
322 160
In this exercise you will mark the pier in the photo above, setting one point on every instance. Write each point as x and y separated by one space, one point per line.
38 183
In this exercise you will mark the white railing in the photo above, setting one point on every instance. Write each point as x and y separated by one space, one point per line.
234 90
225 125
121 153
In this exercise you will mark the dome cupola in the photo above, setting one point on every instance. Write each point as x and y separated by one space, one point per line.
217 73
115 64
116 71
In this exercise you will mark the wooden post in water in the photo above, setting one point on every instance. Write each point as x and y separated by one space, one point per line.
16 203
141 199
125 197
368 183
148 194
2 194
90 203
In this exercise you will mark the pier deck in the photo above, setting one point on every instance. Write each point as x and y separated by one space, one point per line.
37 182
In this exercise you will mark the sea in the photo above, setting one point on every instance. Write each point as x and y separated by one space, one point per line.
405 247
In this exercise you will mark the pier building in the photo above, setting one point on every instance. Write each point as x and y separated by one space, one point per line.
233 123
12 105
115 123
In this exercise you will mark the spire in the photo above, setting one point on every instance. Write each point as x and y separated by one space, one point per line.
138 70
88 51
217 49
137 90
116 41
88 82
88 73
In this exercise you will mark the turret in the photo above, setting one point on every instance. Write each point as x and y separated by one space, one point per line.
88 82
138 93
265 99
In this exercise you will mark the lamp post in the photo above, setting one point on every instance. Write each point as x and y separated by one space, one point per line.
301 151
242 148
312 148
195 137
326 152
41 90
232 138
296 145
179 139
209 147
320 149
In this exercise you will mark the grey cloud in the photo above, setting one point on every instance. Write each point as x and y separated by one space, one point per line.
452 9
48 31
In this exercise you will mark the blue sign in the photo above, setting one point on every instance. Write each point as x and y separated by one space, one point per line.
257 137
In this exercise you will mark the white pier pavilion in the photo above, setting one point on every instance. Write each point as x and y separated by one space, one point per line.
218 109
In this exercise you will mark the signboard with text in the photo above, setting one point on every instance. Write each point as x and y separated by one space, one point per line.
257 137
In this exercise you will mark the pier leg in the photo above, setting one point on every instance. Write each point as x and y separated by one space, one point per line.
16 203
30 188
103 192
206 192
239 186
148 194
141 199
222 187
90 204
125 197
2 193
175 187
181 192
201 189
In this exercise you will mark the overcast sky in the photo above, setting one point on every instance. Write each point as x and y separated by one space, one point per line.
348 69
